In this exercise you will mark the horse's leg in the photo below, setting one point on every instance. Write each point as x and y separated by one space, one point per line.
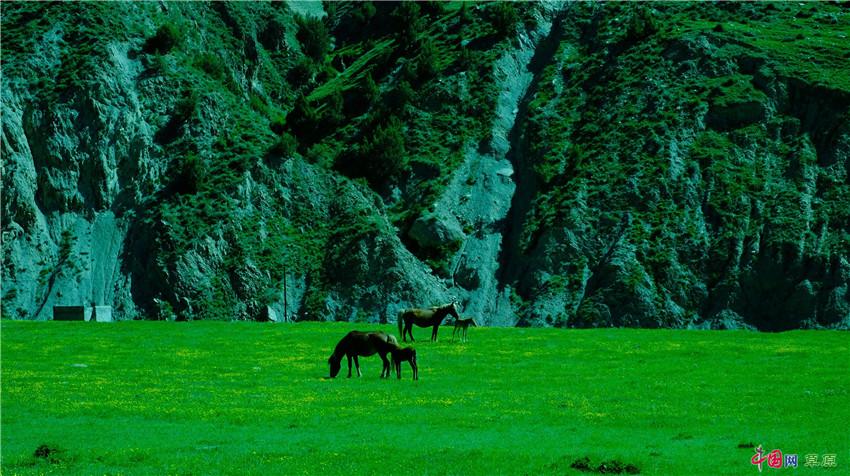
385 370
415 368
357 364
398 369
349 365
434 332
410 331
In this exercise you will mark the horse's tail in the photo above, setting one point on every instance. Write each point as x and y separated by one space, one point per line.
474 322
400 321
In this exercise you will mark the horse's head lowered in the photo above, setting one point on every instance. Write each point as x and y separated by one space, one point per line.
335 364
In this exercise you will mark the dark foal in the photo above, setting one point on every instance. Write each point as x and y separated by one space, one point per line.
424 318
399 355
356 344
463 325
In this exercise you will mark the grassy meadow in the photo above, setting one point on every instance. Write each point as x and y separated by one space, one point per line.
249 398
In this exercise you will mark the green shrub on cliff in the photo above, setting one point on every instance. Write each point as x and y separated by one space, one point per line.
314 37
167 36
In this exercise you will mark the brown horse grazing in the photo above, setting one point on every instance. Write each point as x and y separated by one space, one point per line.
399 355
357 343
424 318
463 325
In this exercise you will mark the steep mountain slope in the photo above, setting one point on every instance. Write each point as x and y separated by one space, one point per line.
688 164
544 164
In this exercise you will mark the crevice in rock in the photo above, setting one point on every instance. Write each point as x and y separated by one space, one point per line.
822 113
512 266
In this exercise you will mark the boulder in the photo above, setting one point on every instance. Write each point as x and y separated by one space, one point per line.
836 312
728 319
267 314
435 230
99 314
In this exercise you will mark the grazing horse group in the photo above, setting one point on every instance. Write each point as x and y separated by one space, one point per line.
363 344
356 344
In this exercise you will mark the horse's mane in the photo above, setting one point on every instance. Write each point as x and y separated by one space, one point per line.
338 350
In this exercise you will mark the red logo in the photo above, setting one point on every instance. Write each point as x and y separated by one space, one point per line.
774 459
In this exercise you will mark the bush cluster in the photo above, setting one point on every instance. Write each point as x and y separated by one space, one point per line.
211 64
504 18
380 157
314 37
167 36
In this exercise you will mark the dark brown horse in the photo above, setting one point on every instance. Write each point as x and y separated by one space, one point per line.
357 343
399 355
424 318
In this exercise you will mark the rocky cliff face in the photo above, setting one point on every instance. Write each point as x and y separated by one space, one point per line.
705 190
544 164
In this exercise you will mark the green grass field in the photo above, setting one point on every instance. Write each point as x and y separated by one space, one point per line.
247 398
